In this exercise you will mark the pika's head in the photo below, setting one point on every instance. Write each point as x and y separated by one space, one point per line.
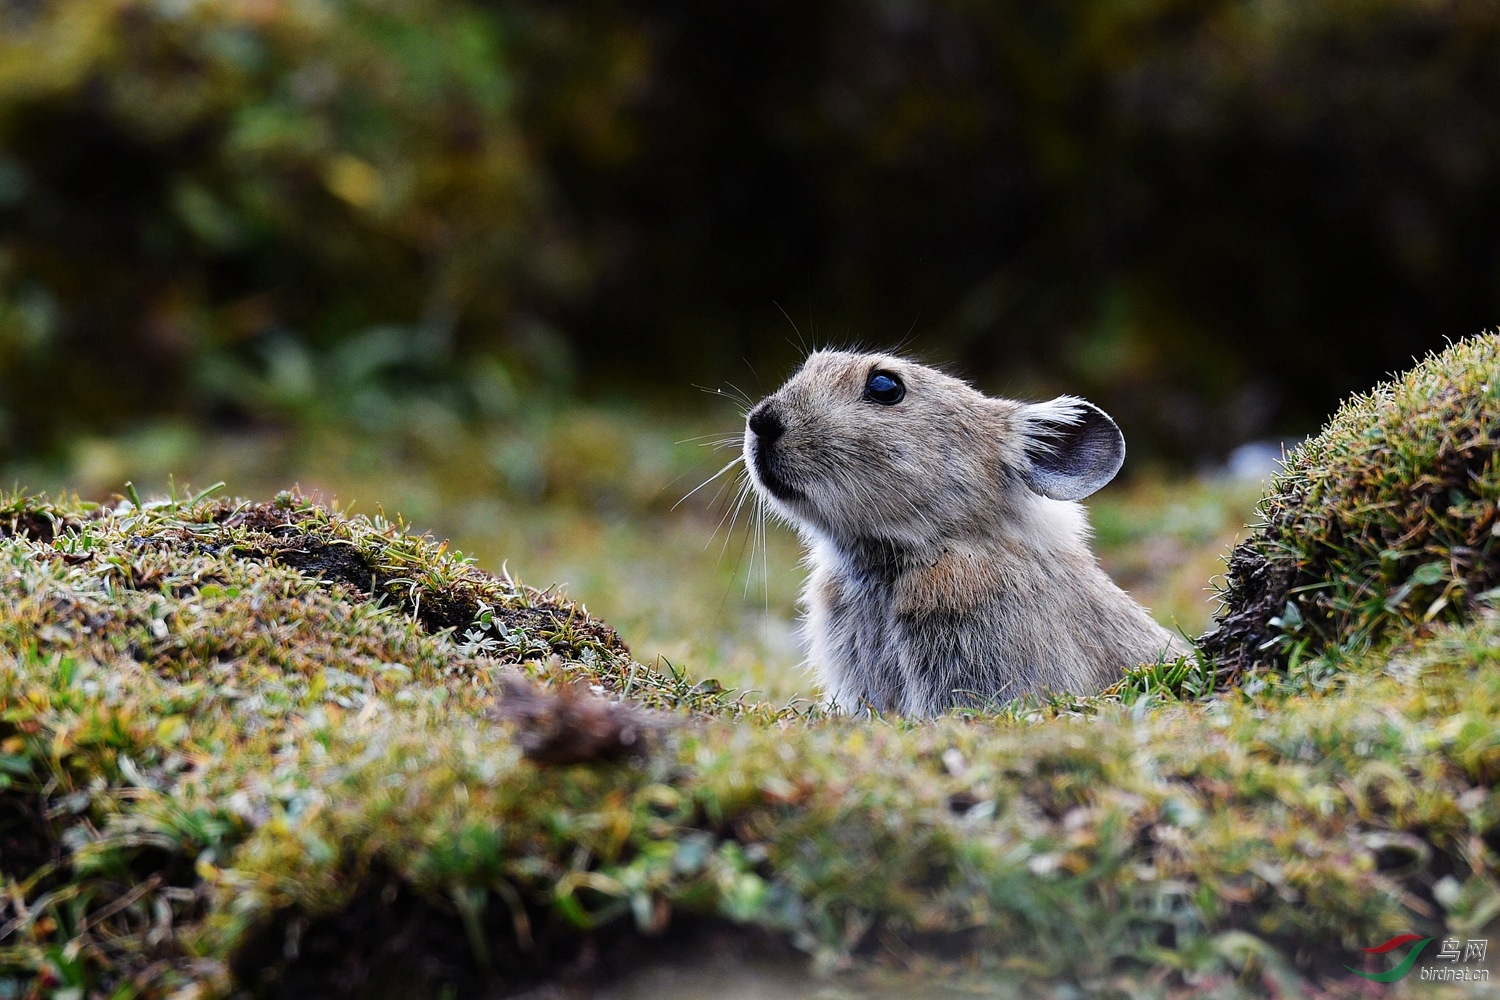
876 447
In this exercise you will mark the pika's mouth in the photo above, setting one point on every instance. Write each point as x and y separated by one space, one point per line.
770 478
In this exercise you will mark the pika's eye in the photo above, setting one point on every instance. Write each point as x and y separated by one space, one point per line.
884 388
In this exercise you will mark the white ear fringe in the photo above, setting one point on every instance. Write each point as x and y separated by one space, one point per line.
1040 421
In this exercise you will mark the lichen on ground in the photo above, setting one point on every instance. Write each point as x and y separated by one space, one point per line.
264 749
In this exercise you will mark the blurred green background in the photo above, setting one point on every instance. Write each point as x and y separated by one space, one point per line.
469 261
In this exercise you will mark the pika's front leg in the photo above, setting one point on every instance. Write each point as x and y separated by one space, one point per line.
851 645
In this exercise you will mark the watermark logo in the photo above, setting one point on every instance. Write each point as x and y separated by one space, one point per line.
1451 952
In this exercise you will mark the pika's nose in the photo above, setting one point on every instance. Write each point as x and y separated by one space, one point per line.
765 423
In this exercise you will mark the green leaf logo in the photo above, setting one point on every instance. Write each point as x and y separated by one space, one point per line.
1406 964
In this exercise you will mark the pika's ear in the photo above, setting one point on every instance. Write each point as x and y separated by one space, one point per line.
1072 448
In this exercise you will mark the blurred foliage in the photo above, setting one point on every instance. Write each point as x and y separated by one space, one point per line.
1208 215
179 178
1214 217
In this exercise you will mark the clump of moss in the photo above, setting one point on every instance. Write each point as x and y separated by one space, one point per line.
236 755
143 645
1378 527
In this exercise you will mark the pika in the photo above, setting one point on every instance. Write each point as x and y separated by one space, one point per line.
950 560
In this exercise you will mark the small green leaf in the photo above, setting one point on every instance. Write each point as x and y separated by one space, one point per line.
1428 574
12 763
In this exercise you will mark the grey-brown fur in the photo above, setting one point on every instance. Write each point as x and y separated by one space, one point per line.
950 563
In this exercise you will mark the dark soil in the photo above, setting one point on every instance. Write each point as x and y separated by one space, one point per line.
1255 592
394 942
280 536
37 527
570 725
24 843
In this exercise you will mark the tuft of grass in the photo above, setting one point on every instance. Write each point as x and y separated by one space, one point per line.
1380 527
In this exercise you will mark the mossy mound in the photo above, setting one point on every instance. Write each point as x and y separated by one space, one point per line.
253 749
1380 526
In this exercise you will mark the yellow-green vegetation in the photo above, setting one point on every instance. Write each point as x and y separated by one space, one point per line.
1379 526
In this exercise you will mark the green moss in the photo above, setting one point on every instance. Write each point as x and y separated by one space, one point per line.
254 746
145 646
1378 527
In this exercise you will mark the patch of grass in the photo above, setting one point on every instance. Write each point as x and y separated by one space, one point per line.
146 645
236 753
1380 527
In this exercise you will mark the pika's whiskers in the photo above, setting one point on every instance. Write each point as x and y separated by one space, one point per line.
737 460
